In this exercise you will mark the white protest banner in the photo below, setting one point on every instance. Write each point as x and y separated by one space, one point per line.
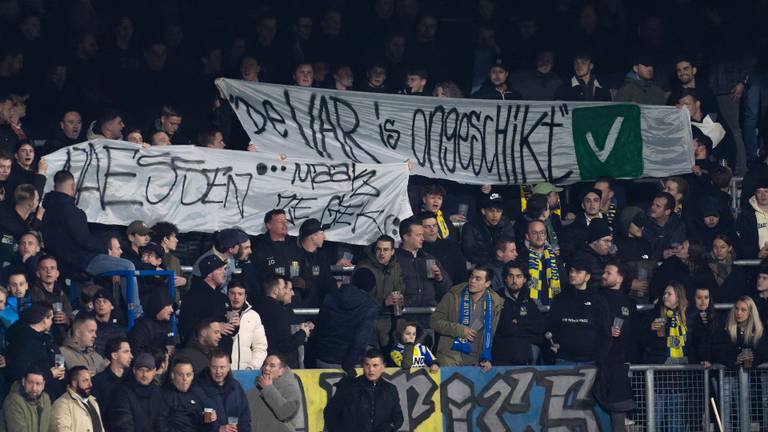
201 189
466 140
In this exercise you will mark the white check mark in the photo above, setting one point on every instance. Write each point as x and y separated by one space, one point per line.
610 140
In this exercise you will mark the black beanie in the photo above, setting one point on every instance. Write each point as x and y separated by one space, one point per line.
156 302
36 312
364 279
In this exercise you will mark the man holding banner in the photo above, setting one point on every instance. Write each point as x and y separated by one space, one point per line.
466 320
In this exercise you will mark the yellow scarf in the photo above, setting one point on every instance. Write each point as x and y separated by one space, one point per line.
676 336
540 267
443 232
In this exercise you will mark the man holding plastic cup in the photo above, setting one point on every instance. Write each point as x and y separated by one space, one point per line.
225 394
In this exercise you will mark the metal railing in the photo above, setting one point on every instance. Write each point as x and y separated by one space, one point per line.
678 398
131 281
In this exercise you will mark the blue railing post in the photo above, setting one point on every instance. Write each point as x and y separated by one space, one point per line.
172 296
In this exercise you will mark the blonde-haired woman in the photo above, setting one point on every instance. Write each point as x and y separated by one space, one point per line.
739 344
666 342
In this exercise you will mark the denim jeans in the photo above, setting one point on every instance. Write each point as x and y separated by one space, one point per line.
667 409
105 263
753 109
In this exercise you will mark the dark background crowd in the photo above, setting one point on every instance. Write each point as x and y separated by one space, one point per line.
548 275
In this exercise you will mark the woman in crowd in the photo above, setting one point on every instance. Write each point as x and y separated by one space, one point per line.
703 322
666 342
739 344
687 263
729 278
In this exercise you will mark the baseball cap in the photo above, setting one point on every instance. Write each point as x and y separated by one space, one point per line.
209 264
546 188
138 227
493 200
311 226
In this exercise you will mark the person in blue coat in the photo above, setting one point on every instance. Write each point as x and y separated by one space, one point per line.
225 394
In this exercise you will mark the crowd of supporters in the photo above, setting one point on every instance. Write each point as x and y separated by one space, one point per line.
516 275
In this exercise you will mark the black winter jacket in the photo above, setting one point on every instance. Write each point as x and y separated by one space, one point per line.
200 302
149 334
345 326
521 325
363 406
66 233
420 291
277 320
135 407
183 412
478 240
104 385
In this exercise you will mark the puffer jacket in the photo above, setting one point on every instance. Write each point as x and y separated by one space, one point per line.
478 239
249 346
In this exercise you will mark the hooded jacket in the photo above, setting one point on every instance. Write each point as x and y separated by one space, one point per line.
25 414
66 233
249 346
345 326
275 408
75 355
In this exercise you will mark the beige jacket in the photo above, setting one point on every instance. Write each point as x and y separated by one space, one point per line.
70 415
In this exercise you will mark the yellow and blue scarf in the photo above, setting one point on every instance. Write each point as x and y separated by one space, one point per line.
442 227
465 306
540 269
676 336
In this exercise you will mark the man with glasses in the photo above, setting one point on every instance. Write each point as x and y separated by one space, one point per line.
543 264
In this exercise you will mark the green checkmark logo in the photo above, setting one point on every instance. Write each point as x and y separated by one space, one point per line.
607 141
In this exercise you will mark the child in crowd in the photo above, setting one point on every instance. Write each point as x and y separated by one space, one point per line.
420 355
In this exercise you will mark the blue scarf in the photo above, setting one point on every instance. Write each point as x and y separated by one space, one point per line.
465 306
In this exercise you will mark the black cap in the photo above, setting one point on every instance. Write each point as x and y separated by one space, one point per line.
153 247
598 229
580 263
104 294
492 200
709 207
595 191
209 264
311 226
499 62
